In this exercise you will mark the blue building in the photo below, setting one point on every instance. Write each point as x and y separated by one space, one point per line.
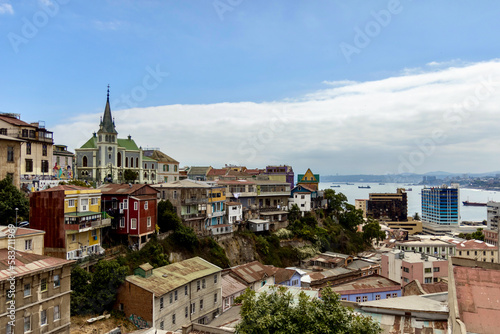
440 209
368 288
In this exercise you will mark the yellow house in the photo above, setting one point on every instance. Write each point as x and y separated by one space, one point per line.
309 180
72 219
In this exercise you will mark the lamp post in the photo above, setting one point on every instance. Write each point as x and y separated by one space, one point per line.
16 215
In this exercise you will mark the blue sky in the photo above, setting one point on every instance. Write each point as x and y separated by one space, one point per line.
197 70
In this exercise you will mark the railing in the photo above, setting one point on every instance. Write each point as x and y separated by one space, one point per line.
215 214
188 201
193 215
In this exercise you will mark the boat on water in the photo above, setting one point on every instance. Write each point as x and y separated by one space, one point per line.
349 184
467 203
335 186
409 189
381 184
364 187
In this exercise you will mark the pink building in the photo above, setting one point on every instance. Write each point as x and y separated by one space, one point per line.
405 267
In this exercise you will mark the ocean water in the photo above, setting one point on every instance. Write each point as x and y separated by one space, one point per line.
467 213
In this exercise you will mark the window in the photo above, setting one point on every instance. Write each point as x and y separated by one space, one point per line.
29 165
94 201
175 295
44 150
84 161
175 194
10 153
193 308
459 252
186 312
197 285
201 304
428 270
57 314
94 234
45 166
146 205
32 134
215 298
358 299
215 279
27 290
406 269
27 324
365 298
134 224
28 244
136 205
161 325
28 148
43 285
161 303
24 132
436 269
164 168
168 168
122 222
149 221
203 285
387 296
173 318
171 297
185 290
394 295
57 282
406 280
428 280
125 204
175 168
43 317
377 297
10 329
467 252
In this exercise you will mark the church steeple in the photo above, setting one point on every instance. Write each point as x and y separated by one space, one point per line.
107 124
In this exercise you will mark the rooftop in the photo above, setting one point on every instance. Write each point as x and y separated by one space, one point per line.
187 183
231 285
4 231
175 275
478 298
371 282
253 271
112 188
432 303
473 244
27 263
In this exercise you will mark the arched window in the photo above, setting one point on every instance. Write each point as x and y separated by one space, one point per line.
137 162
131 162
119 157
153 176
126 162
84 161
107 138
145 175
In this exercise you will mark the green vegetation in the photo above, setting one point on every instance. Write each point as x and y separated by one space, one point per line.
275 312
416 216
129 175
478 235
10 199
76 183
94 293
167 216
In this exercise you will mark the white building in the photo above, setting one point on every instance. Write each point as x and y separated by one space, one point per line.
234 212
493 215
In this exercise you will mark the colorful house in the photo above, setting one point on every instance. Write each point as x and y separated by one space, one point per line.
309 180
216 211
72 219
134 210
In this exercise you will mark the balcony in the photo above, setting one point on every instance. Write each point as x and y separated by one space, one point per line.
193 216
193 201
216 214
86 221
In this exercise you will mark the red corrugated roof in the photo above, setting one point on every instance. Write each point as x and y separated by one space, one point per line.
15 121
27 263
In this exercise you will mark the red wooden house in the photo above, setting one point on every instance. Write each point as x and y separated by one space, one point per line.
134 210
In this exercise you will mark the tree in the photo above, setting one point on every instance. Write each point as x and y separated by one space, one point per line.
167 216
372 230
276 312
478 235
129 175
350 217
416 216
336 202
10 199
96 293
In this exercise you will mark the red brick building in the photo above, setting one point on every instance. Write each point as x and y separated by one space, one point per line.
134 210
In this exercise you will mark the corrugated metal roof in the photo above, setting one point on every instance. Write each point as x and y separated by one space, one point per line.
253 271
27 263
230 286
175 275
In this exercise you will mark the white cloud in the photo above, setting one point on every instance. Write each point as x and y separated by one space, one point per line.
6 8
435 120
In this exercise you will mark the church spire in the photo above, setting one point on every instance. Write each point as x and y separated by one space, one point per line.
107 124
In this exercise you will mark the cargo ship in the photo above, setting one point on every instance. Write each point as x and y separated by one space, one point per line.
467 203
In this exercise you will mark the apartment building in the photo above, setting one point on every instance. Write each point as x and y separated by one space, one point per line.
171 296
388 206
27 240
36 149
72 219
476 250
440 209
40 294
